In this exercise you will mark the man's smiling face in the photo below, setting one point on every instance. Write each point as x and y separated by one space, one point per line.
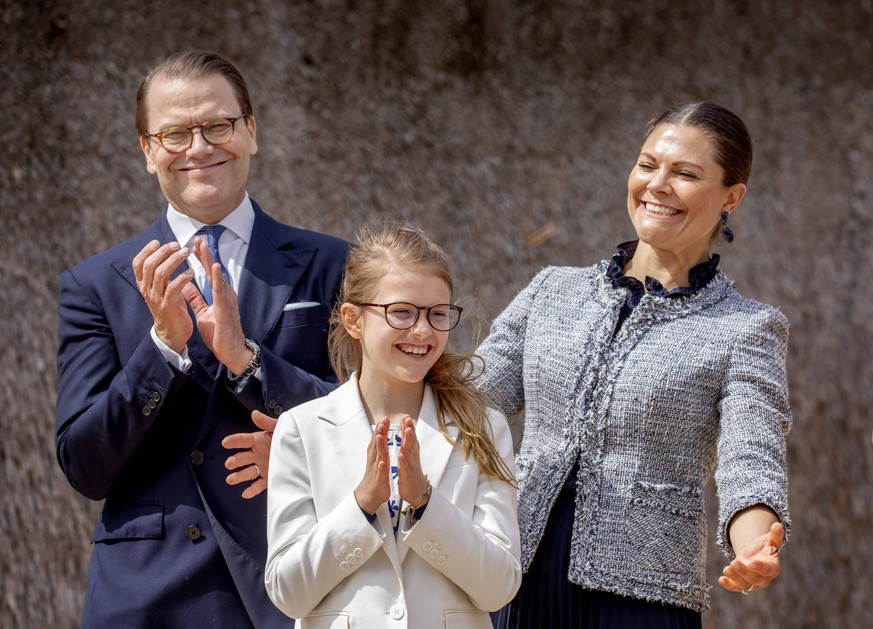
205 182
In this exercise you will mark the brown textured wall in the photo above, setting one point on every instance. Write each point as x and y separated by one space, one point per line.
483 121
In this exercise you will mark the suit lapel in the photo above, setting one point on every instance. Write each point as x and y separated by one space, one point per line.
272 269
435 449
205 368
160 231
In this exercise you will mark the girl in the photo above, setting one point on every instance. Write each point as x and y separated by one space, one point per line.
358 537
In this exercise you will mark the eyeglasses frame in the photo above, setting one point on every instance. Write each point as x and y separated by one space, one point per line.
159 136
418 310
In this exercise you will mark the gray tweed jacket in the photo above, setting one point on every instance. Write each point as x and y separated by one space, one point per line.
688 387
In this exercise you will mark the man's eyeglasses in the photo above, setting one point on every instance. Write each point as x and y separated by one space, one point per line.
402 316
180 139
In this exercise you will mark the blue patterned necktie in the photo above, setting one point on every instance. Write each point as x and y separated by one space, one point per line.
213 233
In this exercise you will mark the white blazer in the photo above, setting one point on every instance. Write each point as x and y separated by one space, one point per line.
329 566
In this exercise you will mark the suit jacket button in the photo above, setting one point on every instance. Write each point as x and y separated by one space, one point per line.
152 404
193 533
278 410
156 396
197 457
344 566
272 404
146 410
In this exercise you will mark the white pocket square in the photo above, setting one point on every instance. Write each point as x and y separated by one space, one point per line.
300 304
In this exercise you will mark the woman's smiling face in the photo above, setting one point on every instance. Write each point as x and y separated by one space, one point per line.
676 191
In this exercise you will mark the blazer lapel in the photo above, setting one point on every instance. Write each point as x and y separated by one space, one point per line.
350 433
347 431
273 266
435 449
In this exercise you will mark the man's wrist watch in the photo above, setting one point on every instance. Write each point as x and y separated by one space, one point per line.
252 367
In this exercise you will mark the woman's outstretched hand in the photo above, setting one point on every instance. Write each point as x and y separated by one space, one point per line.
756 563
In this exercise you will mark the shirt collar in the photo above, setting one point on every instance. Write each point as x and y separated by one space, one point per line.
240 222
698 276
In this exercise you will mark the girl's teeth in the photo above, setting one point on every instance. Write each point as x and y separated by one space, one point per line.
417 351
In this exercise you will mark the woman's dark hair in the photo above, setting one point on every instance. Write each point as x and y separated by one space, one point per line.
733 144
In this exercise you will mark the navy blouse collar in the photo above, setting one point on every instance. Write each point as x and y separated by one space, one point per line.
698 276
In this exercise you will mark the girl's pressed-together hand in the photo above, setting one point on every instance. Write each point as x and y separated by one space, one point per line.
375 488
412 482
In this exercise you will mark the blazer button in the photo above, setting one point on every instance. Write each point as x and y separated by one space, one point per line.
440 560
193 533
434 553
146 410
351 558
359 552
396 612
427 546
152 404
156 396
197 457
344 566
278 410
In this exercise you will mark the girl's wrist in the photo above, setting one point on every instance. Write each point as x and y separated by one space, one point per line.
364 505
425 496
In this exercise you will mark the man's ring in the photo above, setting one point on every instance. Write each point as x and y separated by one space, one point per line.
258 475
747 590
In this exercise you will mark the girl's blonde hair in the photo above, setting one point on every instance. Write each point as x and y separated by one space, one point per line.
395 245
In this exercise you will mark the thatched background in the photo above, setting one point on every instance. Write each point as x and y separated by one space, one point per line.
484 121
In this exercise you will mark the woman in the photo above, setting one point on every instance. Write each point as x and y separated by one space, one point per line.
640 377
427 537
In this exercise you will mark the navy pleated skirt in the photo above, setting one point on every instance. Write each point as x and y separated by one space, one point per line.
548 600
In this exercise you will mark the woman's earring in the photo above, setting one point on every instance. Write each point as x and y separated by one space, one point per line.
726 232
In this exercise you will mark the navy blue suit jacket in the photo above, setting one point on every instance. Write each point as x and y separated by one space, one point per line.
175 546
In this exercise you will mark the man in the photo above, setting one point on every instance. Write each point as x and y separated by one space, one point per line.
158 362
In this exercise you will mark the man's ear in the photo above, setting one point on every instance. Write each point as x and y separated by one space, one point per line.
253 132
351 316
147 151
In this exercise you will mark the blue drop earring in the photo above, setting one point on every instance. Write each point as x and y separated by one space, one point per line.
726 232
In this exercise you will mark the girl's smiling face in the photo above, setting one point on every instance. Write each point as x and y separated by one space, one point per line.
676 191
400 357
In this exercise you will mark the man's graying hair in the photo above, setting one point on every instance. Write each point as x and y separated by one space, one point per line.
191 65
